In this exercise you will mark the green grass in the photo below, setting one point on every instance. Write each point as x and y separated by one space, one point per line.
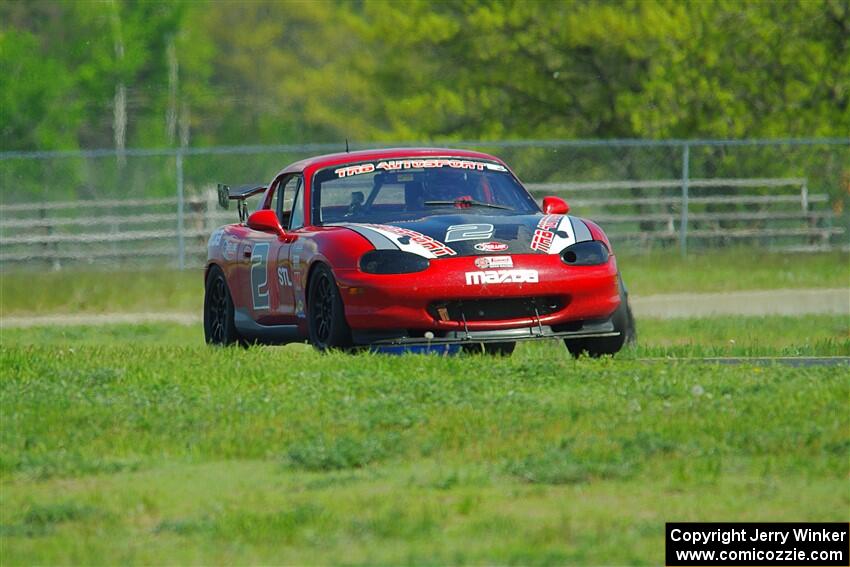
73 291
734 269
775 335
138 444
124 444
811 335
118 334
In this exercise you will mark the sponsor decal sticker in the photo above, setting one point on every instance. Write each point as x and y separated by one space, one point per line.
436 247
215 238
395 165
542 240
554 233
491 246
296 254
229 248
283 278
545 232
485 262
501 276
550 222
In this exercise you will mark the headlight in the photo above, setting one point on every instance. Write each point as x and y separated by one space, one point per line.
392 262
588 253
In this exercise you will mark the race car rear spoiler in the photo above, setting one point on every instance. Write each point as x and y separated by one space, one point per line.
227 194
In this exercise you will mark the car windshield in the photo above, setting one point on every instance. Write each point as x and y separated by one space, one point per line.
406 189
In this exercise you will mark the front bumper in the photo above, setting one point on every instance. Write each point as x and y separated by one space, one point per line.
587 330
404 303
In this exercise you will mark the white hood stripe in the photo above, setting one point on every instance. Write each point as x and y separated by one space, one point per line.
410 246
581 231
394 238
559 242
567 232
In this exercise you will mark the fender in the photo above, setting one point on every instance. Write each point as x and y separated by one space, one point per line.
597 233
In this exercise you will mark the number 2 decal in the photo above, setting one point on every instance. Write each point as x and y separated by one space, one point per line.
469 232
260 276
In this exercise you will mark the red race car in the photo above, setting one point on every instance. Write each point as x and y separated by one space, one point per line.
409 248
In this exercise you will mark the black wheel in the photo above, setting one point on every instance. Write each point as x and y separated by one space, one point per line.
219 321
495 349
623 321
325 312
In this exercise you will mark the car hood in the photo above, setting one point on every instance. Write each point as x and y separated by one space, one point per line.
441 236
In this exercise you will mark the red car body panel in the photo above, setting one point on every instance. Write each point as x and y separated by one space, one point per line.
268 276
394 301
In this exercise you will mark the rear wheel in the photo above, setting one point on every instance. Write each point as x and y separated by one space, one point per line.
326 322
219 320
623 321
495 349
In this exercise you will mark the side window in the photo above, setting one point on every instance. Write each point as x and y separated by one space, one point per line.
285 195
296 220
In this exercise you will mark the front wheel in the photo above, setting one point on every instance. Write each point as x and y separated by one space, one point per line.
219 320
326 322
623 321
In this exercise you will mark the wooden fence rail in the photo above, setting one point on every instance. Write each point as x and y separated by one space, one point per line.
774 212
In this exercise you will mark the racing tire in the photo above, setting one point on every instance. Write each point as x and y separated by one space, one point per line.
624 322
493 349
500 349
219 319
326 324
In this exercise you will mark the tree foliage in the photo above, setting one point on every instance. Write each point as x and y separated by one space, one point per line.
310 71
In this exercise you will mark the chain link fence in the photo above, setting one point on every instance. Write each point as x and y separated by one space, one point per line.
157 207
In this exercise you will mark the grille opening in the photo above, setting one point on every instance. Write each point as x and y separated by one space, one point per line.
495 309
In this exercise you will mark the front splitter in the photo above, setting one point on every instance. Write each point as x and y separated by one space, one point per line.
588 330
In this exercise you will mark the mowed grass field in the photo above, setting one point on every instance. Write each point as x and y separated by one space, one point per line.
81 291
812 335
151 453
137 444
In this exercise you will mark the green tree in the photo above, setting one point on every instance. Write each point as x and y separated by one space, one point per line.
603 69
323 70
64 57
37 110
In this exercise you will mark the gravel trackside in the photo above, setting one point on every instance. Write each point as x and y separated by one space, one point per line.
770 302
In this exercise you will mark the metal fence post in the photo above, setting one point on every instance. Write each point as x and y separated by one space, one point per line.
683 225
181 238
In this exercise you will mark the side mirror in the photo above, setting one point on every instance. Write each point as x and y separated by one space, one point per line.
266 221
555 206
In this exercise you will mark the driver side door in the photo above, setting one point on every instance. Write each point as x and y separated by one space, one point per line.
269 285
287 202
